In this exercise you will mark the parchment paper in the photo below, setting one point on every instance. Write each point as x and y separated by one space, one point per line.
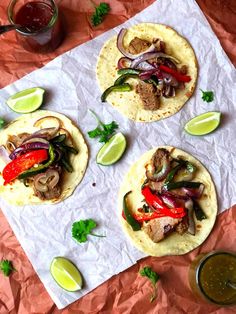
45 231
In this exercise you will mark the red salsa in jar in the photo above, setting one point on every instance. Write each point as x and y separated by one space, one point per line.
44 31
34 16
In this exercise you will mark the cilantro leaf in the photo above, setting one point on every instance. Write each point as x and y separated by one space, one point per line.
153 277
207 96
6 267
100 11
104 131
2 122
82 228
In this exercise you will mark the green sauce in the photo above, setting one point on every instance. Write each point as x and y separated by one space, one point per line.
214 274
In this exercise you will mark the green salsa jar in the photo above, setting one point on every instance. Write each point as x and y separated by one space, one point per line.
212 276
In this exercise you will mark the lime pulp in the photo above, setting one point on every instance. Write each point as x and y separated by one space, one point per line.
204 123
27 100
112 151
66 274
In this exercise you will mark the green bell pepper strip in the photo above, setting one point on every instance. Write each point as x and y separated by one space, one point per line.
180 184
153 80
115 88
182 163
41 168
66 164
121 79
128 71
70 149
200 215
59 138
127 215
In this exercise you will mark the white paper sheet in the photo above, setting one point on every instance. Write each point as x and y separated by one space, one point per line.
45 231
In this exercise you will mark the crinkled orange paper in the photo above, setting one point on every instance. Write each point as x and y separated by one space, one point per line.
23 293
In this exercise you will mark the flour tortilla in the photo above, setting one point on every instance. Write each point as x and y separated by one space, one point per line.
129 103
174 244
17 193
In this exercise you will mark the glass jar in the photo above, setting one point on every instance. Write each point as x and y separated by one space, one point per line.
212 277
40 28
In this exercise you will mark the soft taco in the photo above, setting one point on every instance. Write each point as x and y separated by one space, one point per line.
147 72
167 202
43 158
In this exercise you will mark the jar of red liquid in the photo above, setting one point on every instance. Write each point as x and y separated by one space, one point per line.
40 27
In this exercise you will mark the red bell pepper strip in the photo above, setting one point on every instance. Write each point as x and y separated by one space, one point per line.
179 77
22 163
155 202
148 216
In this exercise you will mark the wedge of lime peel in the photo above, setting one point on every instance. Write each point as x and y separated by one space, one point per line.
27 100
66 274
112 151
204 123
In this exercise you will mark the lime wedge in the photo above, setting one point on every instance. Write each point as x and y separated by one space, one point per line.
27 100
112 151
65 273
204 123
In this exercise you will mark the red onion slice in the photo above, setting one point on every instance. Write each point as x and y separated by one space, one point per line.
121 48
27 147
146 66
150 55
123 62
191 222
194 193
169 201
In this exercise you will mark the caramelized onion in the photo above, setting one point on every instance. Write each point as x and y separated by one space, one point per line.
46 181
47 132
39 122
10 146
36 139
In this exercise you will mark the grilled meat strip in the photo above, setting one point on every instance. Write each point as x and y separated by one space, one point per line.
149 95
158 229
138 45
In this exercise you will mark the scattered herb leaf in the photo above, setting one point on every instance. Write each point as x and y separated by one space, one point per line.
6 267
104 131
2 122
82 228
207 96
153 277
100 12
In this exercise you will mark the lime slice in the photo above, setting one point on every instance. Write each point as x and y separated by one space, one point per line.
27 100
65 273
112 151
204 123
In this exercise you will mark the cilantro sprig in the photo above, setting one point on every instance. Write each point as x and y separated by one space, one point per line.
153 277
100 12
104 131
2 122
6 267
207 96
82 228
